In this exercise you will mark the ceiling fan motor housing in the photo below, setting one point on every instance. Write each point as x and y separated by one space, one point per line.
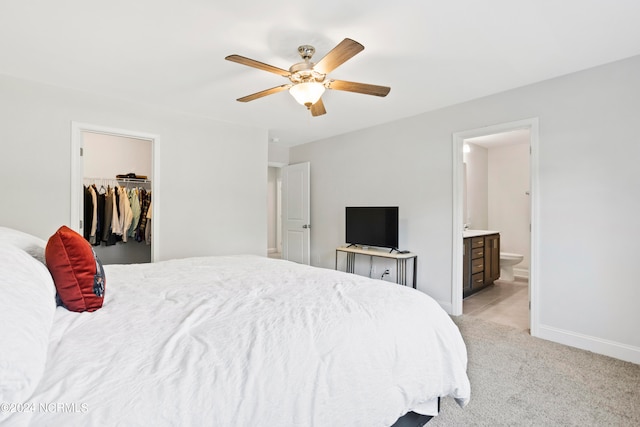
304 72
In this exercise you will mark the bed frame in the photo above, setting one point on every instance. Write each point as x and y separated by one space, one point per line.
413 419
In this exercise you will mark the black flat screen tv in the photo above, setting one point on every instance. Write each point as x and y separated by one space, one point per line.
372 226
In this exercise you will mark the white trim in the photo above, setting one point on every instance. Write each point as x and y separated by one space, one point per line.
446 306
278 203
457 246
590 343
522 273
534 182
77 174
277 164
457 228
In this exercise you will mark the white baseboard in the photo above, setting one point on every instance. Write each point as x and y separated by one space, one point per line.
446 306
272 250
521 272
594 344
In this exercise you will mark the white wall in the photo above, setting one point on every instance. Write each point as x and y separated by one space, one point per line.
588 204
106 156
278 154
212 174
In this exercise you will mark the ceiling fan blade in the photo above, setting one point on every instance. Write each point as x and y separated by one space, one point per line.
367 89
263 93
317 109
257 64
344 51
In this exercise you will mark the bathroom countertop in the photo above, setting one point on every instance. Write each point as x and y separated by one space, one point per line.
476 233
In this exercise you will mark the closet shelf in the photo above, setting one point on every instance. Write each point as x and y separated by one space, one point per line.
115 181
137 180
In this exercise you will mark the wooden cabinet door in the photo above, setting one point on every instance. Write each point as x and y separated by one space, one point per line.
491 258
466 262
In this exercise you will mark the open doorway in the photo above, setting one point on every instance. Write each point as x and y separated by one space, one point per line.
79 133
459 214
117 168
496 197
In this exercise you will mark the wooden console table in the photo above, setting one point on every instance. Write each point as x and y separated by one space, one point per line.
401 261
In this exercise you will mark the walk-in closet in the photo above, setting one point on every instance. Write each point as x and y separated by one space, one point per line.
117 197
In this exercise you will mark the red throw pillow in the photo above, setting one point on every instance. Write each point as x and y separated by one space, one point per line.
76 270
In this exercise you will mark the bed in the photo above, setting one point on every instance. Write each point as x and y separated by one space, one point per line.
221 341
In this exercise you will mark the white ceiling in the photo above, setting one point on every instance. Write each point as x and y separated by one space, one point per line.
432 53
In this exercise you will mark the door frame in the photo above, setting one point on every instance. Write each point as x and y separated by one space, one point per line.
458 181
278 203
77 173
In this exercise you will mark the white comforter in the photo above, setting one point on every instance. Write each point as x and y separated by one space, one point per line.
247 341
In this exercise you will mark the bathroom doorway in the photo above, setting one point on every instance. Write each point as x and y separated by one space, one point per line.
466 210
496 196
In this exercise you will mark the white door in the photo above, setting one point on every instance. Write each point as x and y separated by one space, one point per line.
296 225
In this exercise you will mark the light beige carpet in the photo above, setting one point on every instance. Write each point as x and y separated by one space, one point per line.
518 380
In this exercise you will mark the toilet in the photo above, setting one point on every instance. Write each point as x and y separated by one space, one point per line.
507 261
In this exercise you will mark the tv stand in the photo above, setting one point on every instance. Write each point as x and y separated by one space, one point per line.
366 248
401 258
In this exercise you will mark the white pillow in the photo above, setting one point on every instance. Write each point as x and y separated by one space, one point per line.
27 307
32 245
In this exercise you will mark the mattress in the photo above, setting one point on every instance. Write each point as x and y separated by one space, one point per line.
247 341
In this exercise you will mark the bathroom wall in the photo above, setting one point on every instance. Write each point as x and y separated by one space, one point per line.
497 183
508 202
477 196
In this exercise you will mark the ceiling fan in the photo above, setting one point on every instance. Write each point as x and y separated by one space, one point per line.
308 80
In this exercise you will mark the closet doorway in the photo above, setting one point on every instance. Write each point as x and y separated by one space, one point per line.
99 156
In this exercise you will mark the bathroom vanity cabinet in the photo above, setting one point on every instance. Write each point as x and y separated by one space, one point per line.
481 262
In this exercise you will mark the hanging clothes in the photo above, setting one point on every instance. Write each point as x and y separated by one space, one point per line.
88 213
143 217
134 201
108 216
99 215
116 214
126 215
116 225
147 228
94 215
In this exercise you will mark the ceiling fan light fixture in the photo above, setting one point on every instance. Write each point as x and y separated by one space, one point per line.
307 93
